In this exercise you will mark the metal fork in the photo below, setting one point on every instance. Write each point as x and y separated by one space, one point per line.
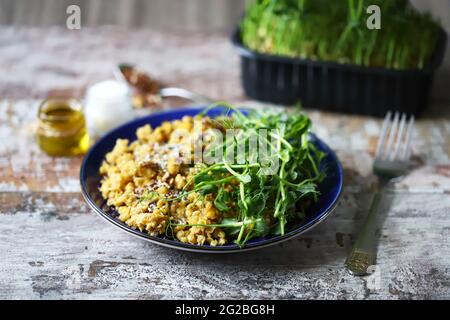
391 161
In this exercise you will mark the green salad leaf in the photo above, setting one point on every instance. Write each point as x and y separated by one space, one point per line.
264 201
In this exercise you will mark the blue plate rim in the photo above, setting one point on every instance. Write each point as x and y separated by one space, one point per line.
198 248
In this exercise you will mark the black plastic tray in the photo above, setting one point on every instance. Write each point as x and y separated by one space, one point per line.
336 87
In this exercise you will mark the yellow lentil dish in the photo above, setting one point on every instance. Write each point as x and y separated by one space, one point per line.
140 179
158 185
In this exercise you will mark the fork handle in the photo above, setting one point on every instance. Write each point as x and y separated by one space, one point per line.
363 253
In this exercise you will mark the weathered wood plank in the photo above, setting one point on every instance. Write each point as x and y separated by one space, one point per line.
25 168
204 62
59 204
53 246
82 257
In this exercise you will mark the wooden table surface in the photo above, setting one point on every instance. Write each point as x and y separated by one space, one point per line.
52 246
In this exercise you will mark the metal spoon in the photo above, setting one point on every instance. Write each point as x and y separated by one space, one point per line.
163 92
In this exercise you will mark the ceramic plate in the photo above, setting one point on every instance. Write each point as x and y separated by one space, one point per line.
330 188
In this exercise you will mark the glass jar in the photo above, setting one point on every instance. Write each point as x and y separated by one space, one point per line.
62 128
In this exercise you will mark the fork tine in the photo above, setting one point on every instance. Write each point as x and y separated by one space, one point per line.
399 139
407 150
392 134
383 133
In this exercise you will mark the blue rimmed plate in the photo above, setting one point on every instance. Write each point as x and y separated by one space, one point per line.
330 188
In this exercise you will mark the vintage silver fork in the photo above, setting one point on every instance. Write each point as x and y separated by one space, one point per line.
391 161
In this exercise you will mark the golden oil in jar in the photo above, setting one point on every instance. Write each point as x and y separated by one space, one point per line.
62 128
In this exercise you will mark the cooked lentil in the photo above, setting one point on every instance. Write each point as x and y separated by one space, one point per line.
141 179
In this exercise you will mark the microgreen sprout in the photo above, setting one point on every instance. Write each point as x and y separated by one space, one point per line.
263 204
337 31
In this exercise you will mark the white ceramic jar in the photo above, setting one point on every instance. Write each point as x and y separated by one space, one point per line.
107 106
